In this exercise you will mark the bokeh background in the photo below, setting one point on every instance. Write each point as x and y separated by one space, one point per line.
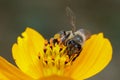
49 17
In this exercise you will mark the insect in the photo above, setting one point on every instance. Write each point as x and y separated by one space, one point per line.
73 39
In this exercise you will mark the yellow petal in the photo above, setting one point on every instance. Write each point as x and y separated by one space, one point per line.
26 51
95 56
55 77
10 72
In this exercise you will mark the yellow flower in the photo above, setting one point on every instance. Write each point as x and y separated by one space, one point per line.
39 60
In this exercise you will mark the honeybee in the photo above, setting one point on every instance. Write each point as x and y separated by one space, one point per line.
73 39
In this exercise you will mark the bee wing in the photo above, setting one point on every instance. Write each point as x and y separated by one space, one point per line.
84 33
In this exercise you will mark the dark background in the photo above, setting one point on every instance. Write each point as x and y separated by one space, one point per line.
49 17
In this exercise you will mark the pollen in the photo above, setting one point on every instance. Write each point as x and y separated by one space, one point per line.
55 58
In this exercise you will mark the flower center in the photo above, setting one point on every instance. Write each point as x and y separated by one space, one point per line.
55 57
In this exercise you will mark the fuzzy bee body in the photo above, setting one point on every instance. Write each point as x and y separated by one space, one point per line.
74 40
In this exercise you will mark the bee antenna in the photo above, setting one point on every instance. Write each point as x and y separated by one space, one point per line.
72 17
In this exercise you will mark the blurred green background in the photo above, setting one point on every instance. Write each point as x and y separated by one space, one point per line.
49 17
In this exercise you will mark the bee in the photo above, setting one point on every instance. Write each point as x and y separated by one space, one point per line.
73 39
